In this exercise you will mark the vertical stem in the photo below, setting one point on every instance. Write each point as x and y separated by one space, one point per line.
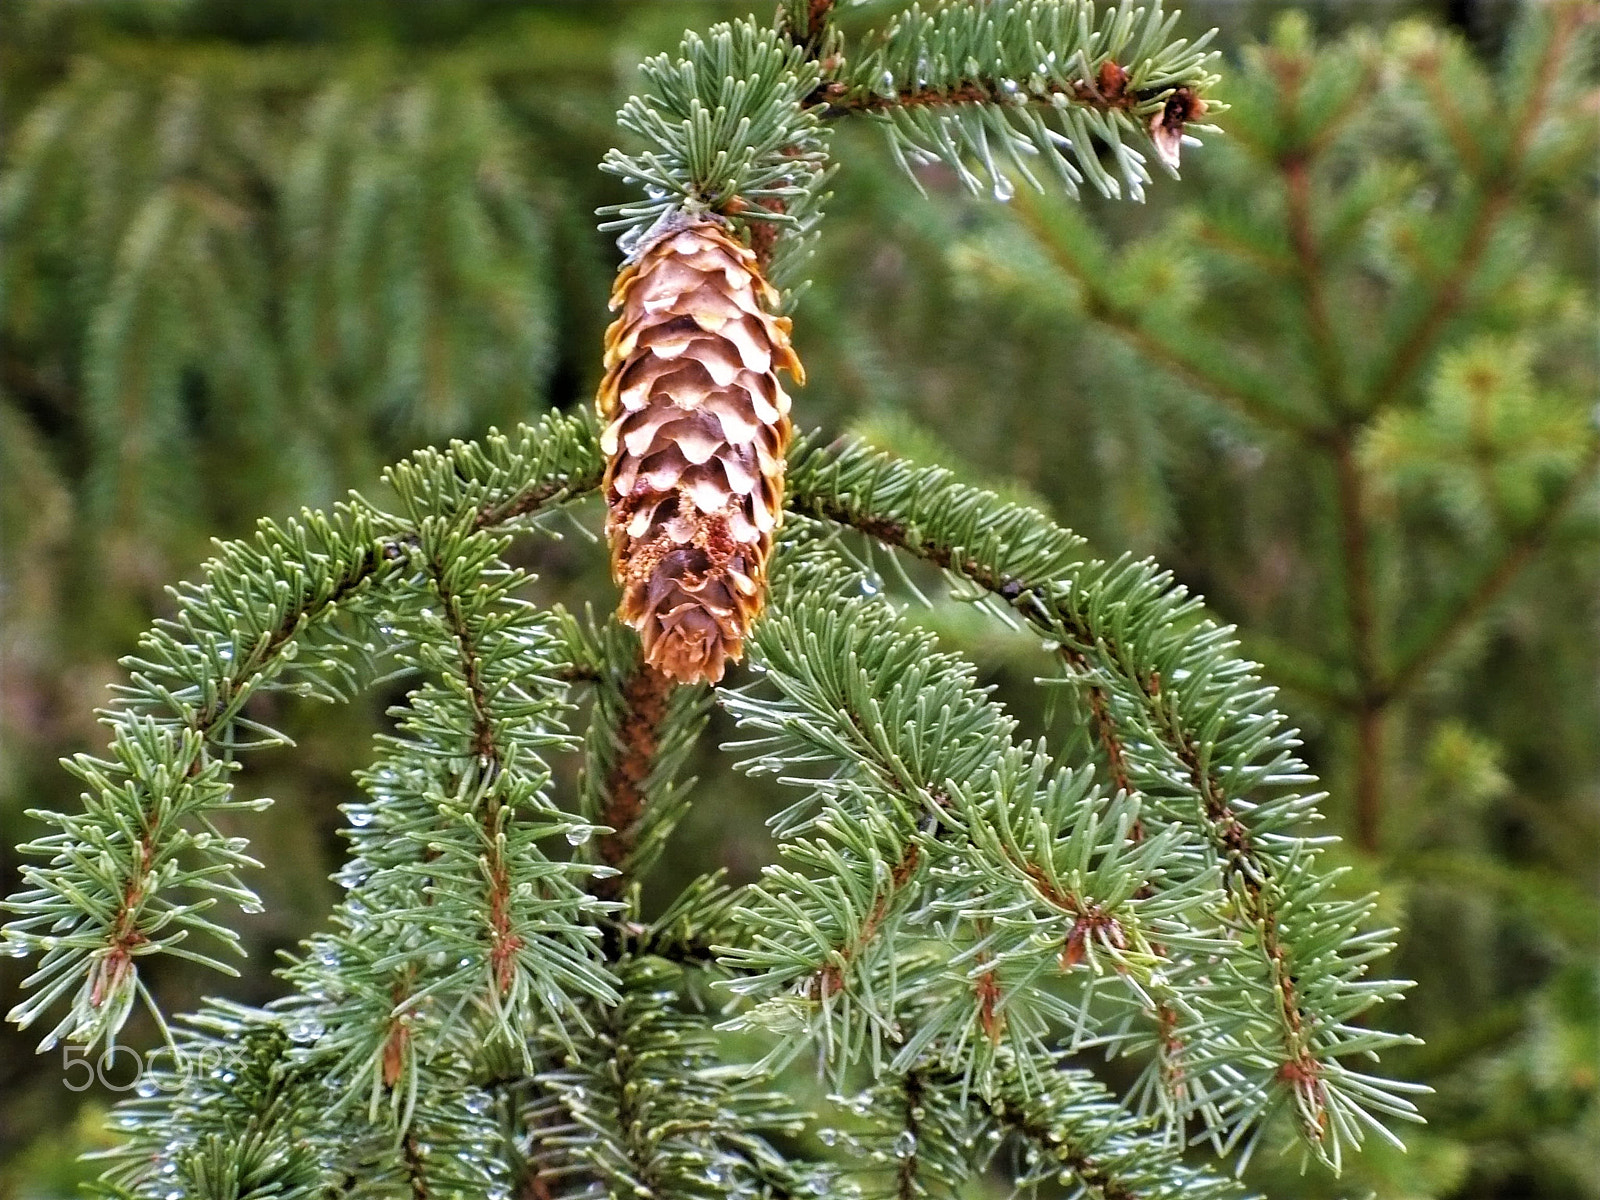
1328 362
1369 773
1325 351
646 694
1370 699
411 1153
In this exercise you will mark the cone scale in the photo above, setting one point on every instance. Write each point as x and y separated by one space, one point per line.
696 425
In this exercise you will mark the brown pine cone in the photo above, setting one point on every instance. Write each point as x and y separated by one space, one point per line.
696 428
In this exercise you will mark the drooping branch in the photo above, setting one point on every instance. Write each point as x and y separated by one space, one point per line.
235 634
1017 557
1229 833
171 754
1106 93
969 825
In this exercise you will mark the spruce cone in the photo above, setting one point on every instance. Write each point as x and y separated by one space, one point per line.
696 430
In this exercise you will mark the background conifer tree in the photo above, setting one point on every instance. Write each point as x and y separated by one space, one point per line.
867 329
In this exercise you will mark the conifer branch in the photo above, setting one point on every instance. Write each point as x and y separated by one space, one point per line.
933 1132
953 909
984 830
728 133
1327 355
504 942
1232 383
1353 516
647 1106
991 88
879 819
1106 735
502 478
642 729
272 614
645 693
1497 189
480 934
100 900
807 23
1447 626
912 1107
1071 1127
1017 556
416 1173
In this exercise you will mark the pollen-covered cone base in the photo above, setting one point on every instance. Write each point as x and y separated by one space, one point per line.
696 427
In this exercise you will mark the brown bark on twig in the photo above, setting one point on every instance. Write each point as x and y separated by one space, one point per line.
646 694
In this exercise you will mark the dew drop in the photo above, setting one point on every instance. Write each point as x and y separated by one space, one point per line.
353 874
579 834
304 1029
1003 189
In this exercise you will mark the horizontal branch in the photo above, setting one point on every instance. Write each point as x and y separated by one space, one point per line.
1108 94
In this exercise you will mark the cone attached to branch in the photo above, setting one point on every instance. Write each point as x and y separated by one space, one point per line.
696 427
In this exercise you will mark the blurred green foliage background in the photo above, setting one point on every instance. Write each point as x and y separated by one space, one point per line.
1341 380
